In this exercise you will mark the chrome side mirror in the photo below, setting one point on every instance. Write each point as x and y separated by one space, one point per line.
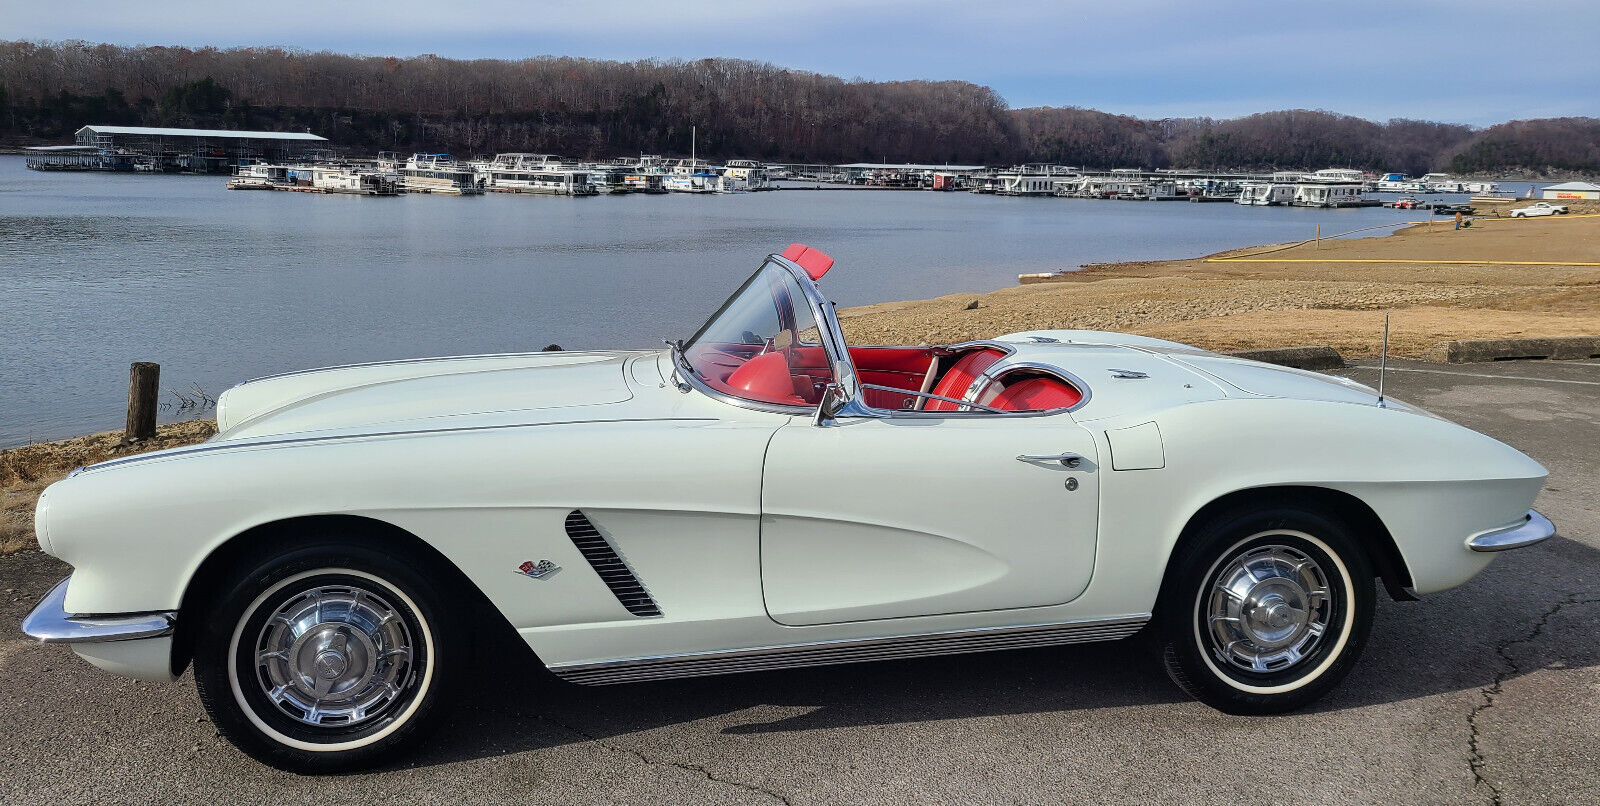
829 406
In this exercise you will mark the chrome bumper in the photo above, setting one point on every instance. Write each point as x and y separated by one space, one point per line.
1535 529
51 623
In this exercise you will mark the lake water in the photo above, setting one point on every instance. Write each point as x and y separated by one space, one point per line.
99 270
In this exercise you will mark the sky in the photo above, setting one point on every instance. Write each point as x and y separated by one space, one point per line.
1463 61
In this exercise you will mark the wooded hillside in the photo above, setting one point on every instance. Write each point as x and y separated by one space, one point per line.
591 108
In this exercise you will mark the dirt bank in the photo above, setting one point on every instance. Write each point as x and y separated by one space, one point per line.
1301 295
26 471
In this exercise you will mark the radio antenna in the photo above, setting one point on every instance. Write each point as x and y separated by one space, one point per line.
1383 357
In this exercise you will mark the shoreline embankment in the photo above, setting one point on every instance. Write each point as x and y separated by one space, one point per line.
1498 278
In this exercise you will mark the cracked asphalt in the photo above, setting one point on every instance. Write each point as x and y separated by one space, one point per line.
1489 693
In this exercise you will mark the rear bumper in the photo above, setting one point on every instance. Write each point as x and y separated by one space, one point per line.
51 623
1535 528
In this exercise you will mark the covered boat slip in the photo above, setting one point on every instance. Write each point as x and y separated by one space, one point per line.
170 150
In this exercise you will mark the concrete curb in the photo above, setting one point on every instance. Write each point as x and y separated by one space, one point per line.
1315 357
1468 351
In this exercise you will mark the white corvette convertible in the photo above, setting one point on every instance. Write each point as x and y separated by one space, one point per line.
759 496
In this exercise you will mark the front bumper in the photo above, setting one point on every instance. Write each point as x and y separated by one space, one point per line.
51 623
1535 529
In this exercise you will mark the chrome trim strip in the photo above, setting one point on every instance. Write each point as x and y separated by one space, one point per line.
828 328
850 650
987 378
1535 528
52 624
208 447
723 397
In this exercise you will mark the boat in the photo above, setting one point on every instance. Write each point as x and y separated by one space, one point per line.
1440 183
693 176
438 173
1262 193
645 182
519 172
740 175
1394 183
257 176
353 180
1031 180
1331 193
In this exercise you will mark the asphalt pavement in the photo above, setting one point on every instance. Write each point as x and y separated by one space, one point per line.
1489 693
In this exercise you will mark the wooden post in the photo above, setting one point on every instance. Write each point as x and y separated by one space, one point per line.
144 380
1319 236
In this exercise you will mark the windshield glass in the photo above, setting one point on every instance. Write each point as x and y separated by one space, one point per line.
763 344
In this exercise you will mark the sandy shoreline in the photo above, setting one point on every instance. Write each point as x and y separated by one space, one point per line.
1207 301
1285 302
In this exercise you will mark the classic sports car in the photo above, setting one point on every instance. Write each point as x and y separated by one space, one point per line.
763 495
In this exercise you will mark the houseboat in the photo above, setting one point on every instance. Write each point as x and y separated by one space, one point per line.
1327 194
535 173
643 182
740 175
1440 183
1266 193
257 176
352 180
437 173
1031 180
1394 183
693 176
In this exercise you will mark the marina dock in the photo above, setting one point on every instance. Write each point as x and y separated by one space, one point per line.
304 162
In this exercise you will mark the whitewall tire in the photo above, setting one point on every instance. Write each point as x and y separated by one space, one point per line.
1264 611
327 658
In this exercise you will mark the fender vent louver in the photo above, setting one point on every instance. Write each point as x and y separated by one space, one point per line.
610 566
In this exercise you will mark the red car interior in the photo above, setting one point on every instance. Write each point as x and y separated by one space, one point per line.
960 377
796 377
1036 394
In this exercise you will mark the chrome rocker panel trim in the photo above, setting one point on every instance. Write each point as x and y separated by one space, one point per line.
1535 529
51 623
852 650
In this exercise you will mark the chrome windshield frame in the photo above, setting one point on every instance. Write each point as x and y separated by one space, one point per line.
833 345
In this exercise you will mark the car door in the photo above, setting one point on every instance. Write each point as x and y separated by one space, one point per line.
874 518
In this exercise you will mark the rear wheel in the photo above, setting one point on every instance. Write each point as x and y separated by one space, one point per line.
327 658
1265 611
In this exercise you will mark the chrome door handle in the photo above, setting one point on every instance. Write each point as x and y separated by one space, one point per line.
1066 459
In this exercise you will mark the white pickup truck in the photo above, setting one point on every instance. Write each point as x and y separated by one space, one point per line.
1541 208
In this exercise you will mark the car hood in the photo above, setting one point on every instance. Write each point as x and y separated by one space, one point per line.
424 395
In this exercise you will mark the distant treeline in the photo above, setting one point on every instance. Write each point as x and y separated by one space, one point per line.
589 108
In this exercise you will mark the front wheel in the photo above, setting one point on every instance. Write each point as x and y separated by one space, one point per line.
326 658
1264 611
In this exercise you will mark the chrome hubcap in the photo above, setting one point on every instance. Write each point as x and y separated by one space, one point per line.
335 655
1267 609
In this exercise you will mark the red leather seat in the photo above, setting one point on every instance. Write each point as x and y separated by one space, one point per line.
1036 394
955 382
766 378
